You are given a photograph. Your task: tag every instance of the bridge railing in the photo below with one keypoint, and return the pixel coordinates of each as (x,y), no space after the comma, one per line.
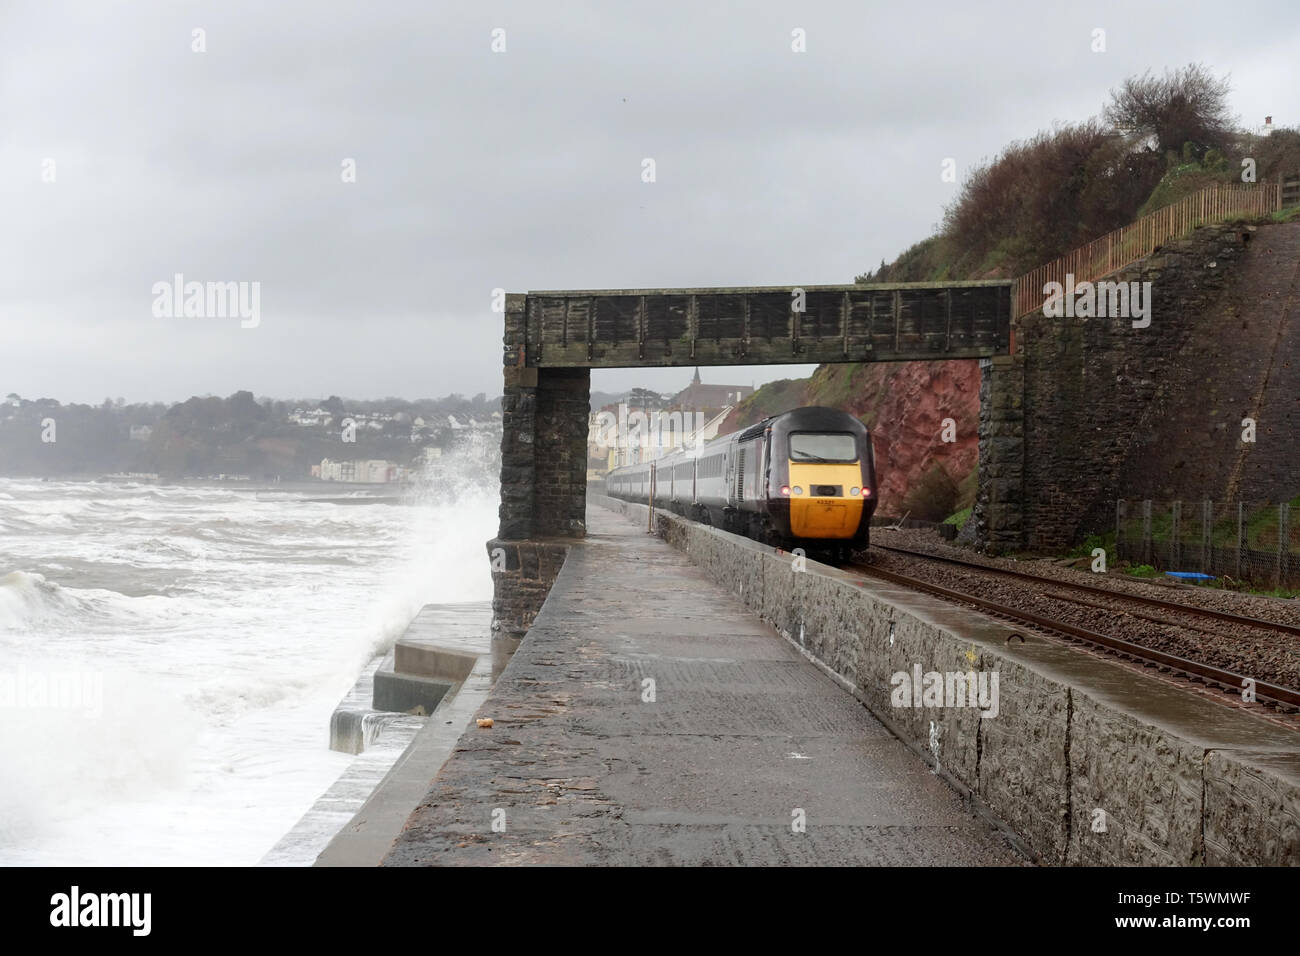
(1115,250)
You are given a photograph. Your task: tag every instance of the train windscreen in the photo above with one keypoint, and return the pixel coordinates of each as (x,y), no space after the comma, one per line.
(822,447)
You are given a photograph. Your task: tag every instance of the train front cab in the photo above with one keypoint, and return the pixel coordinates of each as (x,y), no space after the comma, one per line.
(823,477)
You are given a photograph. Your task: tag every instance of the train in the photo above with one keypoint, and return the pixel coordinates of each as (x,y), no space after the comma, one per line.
(805,478)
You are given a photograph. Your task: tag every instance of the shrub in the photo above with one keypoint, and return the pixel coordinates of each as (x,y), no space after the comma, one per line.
(933,498)
(1184,110)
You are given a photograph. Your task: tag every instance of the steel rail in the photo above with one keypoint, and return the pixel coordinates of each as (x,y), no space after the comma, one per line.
(1108,592)
(1282,698)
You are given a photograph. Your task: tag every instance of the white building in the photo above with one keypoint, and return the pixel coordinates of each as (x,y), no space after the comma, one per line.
(366,471)
(317,418)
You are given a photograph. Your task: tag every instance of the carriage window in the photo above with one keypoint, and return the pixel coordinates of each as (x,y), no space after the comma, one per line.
(823,447)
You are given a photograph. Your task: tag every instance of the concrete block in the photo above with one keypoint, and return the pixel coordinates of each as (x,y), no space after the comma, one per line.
(1252,808)
(1145,780)
(407,694)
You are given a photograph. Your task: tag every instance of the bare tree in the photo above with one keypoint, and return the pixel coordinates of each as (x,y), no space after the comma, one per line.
(1188,105)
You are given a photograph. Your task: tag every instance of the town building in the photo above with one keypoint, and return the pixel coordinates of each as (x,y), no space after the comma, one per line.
(376,471)
(709,399)
(647,426)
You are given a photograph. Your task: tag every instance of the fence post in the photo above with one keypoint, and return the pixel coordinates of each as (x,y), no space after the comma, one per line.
(1121,512)
(1283,542)
(1241,533)
(1146,531)
(1207,545)
(650,517)
(1176,538)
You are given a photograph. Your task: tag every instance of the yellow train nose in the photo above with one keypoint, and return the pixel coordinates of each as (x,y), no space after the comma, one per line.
(826,509)
(825,517)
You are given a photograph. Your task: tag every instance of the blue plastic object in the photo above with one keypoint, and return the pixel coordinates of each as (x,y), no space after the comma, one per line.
(1194,575)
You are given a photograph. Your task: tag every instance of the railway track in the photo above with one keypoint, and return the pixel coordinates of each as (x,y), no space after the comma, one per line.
(1283,699)
(1109,593)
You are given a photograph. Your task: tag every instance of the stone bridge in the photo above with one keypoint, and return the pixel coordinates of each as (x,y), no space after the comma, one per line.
(553,339)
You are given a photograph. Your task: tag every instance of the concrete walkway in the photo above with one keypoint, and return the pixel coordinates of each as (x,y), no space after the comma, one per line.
(742,740)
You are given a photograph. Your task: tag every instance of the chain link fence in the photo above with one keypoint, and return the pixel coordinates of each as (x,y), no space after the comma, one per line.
(1258,542)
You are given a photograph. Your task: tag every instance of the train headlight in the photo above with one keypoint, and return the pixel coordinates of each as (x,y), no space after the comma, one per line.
(798,490)
(785,490)
(866,492)
(854,491)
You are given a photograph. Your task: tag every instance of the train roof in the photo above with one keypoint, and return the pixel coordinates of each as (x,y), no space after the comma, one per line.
(807,418)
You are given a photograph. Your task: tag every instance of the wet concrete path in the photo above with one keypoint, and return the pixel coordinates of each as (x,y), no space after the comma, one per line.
(648,718)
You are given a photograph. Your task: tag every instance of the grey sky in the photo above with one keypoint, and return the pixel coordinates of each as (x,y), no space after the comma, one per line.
(519,170)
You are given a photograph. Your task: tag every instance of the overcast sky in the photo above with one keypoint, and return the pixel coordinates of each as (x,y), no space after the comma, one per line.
(519,169)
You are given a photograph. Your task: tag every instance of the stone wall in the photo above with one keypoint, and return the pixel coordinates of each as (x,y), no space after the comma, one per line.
(1237,362)
(522,575)
(1178,780)
(1090,410)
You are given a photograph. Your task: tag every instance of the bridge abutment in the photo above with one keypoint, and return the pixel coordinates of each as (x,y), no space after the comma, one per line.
(543,480)
(999,502)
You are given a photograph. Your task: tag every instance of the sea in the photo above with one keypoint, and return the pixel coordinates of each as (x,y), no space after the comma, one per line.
(170,655)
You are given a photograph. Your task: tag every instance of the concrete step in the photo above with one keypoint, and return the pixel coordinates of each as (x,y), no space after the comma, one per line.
(418,673)
(400,693)
(421,659)
(356,726)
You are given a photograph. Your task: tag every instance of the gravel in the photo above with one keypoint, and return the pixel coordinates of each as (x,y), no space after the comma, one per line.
(1252,651)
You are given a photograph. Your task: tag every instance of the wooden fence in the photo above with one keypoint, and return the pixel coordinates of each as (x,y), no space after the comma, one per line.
(1291,190)
(1115,250)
